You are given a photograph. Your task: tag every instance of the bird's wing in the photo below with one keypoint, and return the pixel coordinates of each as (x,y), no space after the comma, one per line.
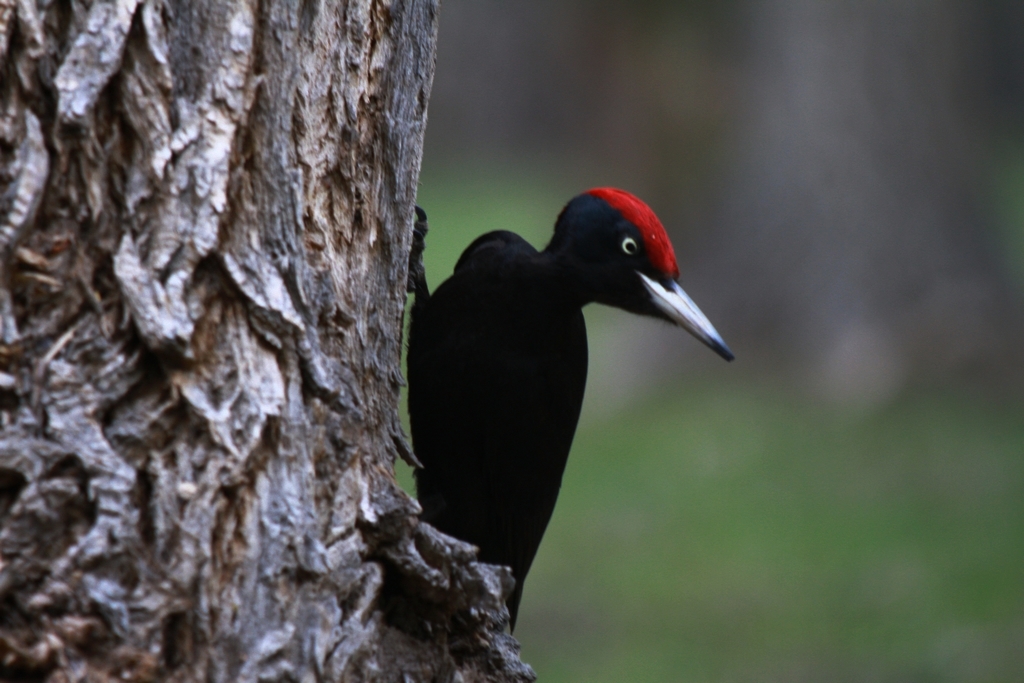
(494,436)
(496,380)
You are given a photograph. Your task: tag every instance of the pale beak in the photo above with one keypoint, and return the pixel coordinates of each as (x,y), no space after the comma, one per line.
(679,307)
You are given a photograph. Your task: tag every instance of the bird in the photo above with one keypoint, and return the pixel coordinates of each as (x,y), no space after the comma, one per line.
(497,365)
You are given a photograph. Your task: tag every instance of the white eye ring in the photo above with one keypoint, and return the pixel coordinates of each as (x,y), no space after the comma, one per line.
(629,246)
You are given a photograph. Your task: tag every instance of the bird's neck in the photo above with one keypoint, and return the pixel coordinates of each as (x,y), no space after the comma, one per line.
(560,282)
(580,284)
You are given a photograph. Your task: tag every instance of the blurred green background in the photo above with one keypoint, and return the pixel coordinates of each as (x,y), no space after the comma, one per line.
(845,502)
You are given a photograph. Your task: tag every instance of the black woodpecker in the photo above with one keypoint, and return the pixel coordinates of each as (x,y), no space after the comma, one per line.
(497,365)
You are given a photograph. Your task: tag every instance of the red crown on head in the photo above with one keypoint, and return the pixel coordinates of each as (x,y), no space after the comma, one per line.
(656,243)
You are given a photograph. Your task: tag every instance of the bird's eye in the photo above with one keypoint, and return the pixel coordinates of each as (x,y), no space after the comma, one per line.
(629,246)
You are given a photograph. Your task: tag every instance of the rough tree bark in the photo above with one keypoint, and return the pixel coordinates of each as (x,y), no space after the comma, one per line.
(204,233)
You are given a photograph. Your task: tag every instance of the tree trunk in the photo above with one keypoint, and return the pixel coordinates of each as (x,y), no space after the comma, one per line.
(855,237)
(204,232)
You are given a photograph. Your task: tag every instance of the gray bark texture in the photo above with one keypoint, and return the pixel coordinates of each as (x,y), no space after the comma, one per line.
(205,223)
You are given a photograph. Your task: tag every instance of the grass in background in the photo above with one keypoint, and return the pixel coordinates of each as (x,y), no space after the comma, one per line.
(735,532)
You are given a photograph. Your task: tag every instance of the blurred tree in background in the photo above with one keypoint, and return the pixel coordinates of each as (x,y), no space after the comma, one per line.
(826,166)
(640,91)
(856,213)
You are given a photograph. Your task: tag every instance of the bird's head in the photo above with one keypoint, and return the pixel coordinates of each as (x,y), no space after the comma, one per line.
(618,251)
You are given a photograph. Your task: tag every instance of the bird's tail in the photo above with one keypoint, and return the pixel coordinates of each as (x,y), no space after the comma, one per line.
(513,605)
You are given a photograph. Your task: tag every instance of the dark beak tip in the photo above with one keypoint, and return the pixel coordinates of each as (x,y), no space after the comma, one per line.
(723,351)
